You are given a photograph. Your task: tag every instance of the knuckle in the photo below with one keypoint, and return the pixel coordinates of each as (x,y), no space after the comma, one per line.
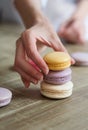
(27,32)
(24,33)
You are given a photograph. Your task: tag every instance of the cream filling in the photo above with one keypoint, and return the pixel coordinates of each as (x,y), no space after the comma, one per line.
(55,91)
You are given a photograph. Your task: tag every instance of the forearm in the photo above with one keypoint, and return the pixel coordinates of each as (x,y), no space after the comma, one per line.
(30,11)
(82,9)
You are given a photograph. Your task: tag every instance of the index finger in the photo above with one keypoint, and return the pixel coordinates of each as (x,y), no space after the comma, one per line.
(29,41)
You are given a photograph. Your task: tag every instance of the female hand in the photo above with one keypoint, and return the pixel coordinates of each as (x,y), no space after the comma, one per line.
(73,31)
(28,47)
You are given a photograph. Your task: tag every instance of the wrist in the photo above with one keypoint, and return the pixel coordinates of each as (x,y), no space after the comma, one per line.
(38,19)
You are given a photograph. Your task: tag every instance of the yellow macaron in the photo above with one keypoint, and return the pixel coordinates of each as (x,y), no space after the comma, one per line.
(57,60)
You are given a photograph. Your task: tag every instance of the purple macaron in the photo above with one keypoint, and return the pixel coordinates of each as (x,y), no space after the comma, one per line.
(5,96)
(58,77)
(81,58)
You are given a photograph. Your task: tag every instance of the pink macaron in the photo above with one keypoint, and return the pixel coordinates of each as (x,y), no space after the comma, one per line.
(58,77)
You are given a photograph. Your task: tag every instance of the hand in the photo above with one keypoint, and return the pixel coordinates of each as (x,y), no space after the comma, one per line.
(27,50)
(73,31)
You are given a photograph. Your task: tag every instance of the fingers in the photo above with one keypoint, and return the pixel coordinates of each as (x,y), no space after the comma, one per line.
(28,62)
(66,31)
(45,35)
(27,71)
(73,32)
(29,41)
(57,45)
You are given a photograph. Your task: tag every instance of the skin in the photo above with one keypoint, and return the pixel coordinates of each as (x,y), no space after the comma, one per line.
(73,30)
(38,34)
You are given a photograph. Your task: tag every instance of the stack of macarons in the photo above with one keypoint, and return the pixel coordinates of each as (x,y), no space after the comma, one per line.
(57,83)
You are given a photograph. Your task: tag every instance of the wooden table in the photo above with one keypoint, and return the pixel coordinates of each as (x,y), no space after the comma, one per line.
(29,110)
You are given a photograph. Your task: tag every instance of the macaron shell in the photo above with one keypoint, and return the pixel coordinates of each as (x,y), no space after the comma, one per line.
(59,81)
(81,58)
(57,87)
(59,66)
(56,91)
(57,95)
(5,96)
(58,77)
(57,60)
(5,102)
